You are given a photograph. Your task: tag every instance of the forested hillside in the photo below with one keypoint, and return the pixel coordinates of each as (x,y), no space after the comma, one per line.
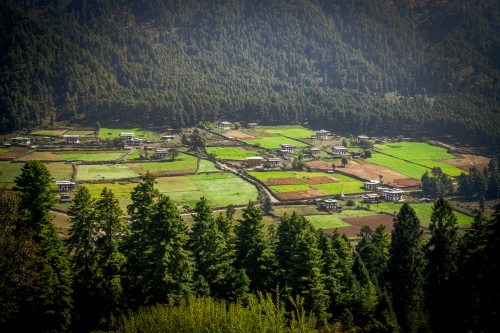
(417,68)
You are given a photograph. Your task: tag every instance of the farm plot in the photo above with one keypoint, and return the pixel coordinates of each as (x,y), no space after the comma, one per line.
(423,211)
(112,133)
(273,142)
(302,185)
(88,156)
(294,132)
(82,134)
(13,153)
(9,171)
(466,161)
(60,170)
(238,135)
(132,156)
(373,221)
(336,220)
(421,153)
(53,132)
(104,172)
(231,153)
(390,177)
(206,166)
(184,164)
(301,210)
(406,168)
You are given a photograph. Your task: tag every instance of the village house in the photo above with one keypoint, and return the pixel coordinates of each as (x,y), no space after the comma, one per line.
(20,141)
(393,194)
(72,138)
(339,150)
(314,151)
(254,161)
(136,141)
(127,136)
(65,198)
(371,198)
(322,134)
(371,184)
(161,153)
(65,185)
(251,125)
(168,137)
(362,138)
(225,125)
(287,148)
(330,204)
(274,161)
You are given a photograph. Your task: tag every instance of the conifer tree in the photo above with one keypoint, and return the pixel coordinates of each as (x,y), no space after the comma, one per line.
(405,270)
(441,269)
(253,251)
(82,247)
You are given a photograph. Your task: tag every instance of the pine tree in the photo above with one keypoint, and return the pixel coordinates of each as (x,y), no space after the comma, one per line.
(82,247)
(168,268)
(253,251)
(111,261)
(441,269)
(405,270)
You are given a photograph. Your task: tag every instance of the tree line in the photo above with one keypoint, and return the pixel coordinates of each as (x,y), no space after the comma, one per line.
(404,281)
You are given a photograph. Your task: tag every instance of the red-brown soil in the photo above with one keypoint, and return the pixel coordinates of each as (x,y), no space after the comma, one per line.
(465,162)
(13,153)
(238,135)
(292,181)
(298,195)
(357,223)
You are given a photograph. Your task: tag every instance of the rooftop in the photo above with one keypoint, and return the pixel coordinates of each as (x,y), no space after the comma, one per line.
(255,158)
(339,147)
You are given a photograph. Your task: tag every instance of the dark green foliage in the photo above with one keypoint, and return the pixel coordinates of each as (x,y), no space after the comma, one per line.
(405,270)
(253,250)
(436,184)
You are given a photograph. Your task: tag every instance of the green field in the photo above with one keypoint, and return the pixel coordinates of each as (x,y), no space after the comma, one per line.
(60,170)
(421,153)
(231,153)
(104,172)
(423,211)
(184,163)
(111,133)
(346,184)
(134,155)
(3,150)
(335,220)
(406,168)
(294,132)
(206,166)
(273,142)
(301,210)
(9,171)
(92,156)
(54,132)
(80,133)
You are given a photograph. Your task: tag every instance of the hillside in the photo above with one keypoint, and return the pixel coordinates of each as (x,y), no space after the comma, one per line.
(418,68)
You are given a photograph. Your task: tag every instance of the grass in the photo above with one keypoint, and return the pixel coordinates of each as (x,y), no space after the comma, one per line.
(134,155)
(291,188)
(273,142)
(111,133)
(81,133)
(421,153)
(100,172)
(265,175)
(406,168)
(294,132)
(9,171)
(54,132)
(206,166)
(301,210)
(185,163)
(60,170)
(335,220)
(231,153)
(423,211)
(94,156)
(3,150)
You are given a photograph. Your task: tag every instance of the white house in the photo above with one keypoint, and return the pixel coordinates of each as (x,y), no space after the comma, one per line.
(72,138)
(339,150)
(127,136)
(330,204)
(136,141)
(372,184)
(393,194)
(161,153)
(225,125)
(362,138)
(371,198)
(65,185)
(322,134)
(287,148)
(274,161)
(20,141)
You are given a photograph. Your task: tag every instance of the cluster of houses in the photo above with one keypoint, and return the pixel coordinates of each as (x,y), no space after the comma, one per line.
(381,192)
(225,125)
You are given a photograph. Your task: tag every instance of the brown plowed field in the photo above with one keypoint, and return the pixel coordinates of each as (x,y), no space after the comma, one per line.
(299,195)
(238,135)
(465,162)
(357,223)
(369,171)
(13,153)
(292,181)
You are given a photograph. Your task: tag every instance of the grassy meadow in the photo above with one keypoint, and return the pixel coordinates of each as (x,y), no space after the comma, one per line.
(111,133)
(9,171)
(183,164)
(133,155)
(206,166)
(88,156)
(335,220)
(104,172)
(231,153)
(294,132)
(53,132)
(60,170)
(273,142)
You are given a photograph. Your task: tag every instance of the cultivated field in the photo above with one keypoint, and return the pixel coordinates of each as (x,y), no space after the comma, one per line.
(54,132)
(132,156)
(238,135)
(231,153)
(12,153)
(80,133)
(373,221)
(406,168)
(60,170)
(301,210)
(273,142)
(111,133)
(206,166)
(88,156)
(303,185)
(294,132)
(465,162)
(104,172)
(336,220)
(9,171)
(183,164)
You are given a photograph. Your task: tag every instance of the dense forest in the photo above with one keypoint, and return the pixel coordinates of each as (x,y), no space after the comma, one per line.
(231,275)
(417,68)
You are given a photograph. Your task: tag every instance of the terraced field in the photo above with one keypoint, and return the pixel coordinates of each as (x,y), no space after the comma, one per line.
(231,153)
(184,164)
(104,172)
(88,156)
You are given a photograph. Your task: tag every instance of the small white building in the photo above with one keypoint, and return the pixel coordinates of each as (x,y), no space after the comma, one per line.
(252,125)
(287,148)
(127,136)
(339,150)
(161,153)
(168,137)
(254,161)
(330,204)
(274,161)
(362,138)
(72,138)
(322,134)
(225,125)
(371,184)
(371,198)
(393,194)
(314,151)
(65,185)
(20,141)
(136,141)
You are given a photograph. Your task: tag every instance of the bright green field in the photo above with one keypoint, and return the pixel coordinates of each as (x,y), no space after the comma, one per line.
(335,220)
(231,153)
(9,171)
(272,142)
(294,132)
(421,153)
(111,133)
(47,132)
(60,170)
(95,156)
(134,155)
(183,162)
(207,166)
(99,172)
(265,175)
(406,168)
(423,212)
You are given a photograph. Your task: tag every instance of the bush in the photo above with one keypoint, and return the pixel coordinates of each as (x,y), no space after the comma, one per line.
(350,203)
